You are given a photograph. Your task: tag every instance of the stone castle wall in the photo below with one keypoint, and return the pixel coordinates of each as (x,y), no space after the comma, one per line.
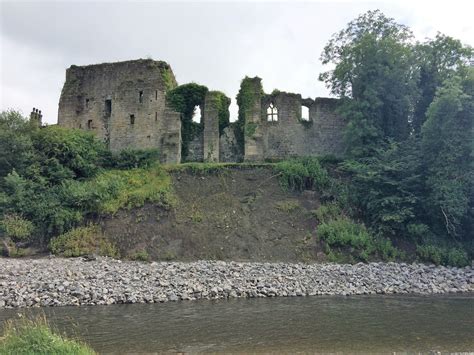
(284,133)
(125,105)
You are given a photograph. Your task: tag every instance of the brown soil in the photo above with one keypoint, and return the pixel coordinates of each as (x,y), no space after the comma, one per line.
(238,214)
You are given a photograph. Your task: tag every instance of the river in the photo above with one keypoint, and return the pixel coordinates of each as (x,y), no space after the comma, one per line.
(377,324)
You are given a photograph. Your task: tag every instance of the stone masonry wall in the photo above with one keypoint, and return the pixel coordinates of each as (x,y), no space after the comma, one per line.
(123,103)
(286,134)
(210,118)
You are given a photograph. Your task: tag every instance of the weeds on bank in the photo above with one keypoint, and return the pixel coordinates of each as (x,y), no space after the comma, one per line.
(35,336)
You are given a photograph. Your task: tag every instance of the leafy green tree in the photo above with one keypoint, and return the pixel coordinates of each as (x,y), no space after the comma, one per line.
(373,72)
(437,59)
(16,147)
(447,144)
(66,153)
(388,187)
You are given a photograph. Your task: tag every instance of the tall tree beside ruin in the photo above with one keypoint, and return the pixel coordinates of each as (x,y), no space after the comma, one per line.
(447,147)
(437,60)
(373,70)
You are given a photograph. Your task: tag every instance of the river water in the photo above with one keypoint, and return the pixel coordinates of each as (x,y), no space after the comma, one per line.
(376,324)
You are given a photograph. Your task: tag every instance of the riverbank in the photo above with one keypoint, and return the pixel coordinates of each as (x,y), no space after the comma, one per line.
(61,282)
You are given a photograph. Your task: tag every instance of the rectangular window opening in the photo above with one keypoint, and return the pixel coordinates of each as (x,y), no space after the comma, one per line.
(156,94)
(132,119)
(89,124)
(87,103)
(108,107)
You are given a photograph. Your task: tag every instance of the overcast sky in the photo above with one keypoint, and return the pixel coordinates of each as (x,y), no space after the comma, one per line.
(214,44)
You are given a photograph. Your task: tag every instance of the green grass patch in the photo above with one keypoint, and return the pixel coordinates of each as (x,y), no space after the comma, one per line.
(35,336)
(211,168)
(133,188)
(83,241)
(302,174)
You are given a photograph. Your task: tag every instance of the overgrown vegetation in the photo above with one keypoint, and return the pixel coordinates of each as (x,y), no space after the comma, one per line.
(81,241)
(302,173)
(410,113)
(184,99)
(35,336)
(62,177)
(248,93)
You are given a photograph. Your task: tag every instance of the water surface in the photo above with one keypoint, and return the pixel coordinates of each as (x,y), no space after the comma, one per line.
(377,324)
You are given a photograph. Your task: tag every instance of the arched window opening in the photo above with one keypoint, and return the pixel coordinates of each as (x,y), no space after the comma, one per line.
(197,114)
(272,113)
(304,113)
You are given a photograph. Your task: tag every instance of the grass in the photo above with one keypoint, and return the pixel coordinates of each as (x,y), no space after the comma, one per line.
(302,174)
(35,336)
(211,168)
(135,187)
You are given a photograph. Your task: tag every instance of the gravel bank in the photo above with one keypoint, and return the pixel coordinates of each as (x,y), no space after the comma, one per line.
(61,282)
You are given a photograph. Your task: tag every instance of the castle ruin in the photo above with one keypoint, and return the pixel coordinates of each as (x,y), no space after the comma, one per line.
(126,104)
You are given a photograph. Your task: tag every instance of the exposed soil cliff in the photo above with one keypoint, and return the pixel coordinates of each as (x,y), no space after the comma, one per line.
(238,214)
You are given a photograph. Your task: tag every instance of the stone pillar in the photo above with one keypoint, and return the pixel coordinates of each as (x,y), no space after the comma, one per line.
(253,139)
(171,139)
(210,117)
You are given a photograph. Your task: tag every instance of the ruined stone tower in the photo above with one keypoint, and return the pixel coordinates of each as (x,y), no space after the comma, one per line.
(123,103)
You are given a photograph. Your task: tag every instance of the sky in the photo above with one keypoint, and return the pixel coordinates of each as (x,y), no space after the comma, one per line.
(211,43)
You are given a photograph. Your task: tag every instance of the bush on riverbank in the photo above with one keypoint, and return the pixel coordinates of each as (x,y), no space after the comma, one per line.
(442,255)
(25,336)
(83,241)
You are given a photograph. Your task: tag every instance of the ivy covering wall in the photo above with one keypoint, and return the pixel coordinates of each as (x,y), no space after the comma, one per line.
(184,99)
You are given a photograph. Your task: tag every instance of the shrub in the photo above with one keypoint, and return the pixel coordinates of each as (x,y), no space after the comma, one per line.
(135,158)
(35,336)
(303,173)
(430,253)
(345,233)
(16,227)
(83,241)
(456,257)
(442,255)
(140,255)
(328,212)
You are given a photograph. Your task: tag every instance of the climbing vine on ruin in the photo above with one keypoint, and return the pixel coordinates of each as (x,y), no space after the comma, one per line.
(184,99)
(223,103)
(245,100)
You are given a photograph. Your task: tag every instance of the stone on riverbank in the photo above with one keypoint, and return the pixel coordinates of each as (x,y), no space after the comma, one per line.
(62,282)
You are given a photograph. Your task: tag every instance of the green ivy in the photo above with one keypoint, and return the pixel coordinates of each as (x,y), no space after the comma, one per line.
(184,99)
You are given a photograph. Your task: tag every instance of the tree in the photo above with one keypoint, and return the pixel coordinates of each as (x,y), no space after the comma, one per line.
(16,147)
(437,59)
(447,144)
(374,76)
